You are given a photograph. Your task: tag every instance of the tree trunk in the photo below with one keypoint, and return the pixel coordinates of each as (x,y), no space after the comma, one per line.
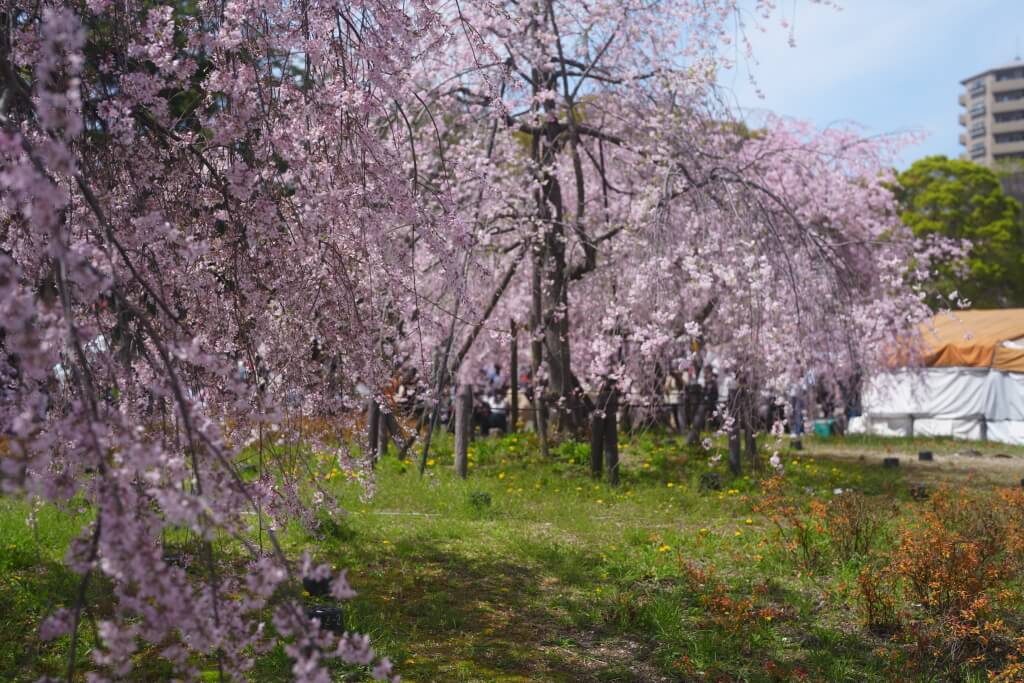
(735,465)
(463,428)
(373,427)
(513,377)
(537,355)
(611,439)
(382,434)
(597,436)
(682,400)
(392,429)
(747,410)
(750,431)
(699,418)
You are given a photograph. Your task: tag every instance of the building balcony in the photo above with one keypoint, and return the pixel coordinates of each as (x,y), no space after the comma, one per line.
(1010,105)
(1008,147)
(963,138)
(962,99)
(1008,84)
(962,119)
(1008,126)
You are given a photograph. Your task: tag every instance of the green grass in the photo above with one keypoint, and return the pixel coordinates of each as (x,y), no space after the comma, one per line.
(531,571)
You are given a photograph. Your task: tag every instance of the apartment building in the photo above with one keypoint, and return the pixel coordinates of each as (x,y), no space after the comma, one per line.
(993,115)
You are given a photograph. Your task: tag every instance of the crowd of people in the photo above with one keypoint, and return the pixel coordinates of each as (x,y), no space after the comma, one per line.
(694,400)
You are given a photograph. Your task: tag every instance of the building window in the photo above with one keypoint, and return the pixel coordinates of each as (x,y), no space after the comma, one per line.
(977,129)
(1010,74)
(1009,137)
(1010,95)
(977,110)
(977,88)
(1008,116)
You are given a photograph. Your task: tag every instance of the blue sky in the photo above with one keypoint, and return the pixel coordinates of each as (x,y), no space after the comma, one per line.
(887,65)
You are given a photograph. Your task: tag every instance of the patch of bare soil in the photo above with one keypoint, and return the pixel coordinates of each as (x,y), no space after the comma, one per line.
(596,658)
(967,465)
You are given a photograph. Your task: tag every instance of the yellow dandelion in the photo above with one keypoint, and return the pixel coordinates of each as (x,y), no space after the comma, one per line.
(664,548)
(670,484)
(501,475)
(738,533)
(749,520)
(430,463)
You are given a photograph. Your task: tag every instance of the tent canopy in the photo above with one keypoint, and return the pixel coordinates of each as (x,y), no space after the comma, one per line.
(975,339)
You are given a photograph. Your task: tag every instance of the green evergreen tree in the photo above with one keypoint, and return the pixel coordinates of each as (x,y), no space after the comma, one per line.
(963,200)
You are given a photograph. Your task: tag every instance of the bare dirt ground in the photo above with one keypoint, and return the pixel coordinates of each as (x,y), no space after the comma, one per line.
(955,462)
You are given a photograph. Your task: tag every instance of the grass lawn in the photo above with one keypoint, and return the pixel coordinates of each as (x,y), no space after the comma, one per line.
(531,571)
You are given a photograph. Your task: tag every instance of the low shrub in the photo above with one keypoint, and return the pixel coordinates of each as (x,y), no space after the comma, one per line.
(799,526)
(948,588)
(853,522)
(731,614)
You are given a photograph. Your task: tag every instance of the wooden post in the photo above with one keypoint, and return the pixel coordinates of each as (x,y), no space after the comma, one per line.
(463,428)
(513,378)
(373,427)
(611,438)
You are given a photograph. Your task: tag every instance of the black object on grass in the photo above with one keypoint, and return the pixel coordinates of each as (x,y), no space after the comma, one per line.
(331,618)
(318,588)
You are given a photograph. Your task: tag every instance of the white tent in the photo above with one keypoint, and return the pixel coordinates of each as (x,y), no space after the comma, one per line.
(971,385)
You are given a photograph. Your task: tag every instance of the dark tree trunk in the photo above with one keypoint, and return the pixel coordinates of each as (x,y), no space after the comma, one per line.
(373,427)
(597,436)
(682,400)
(463,428)
(611,439)
(513,378)
(382,434)
(748,414)
(392,429)
(735,465)
(699,418)
(537,355)
(750,431)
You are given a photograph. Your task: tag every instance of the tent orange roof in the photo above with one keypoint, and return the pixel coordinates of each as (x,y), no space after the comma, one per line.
(976,338)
